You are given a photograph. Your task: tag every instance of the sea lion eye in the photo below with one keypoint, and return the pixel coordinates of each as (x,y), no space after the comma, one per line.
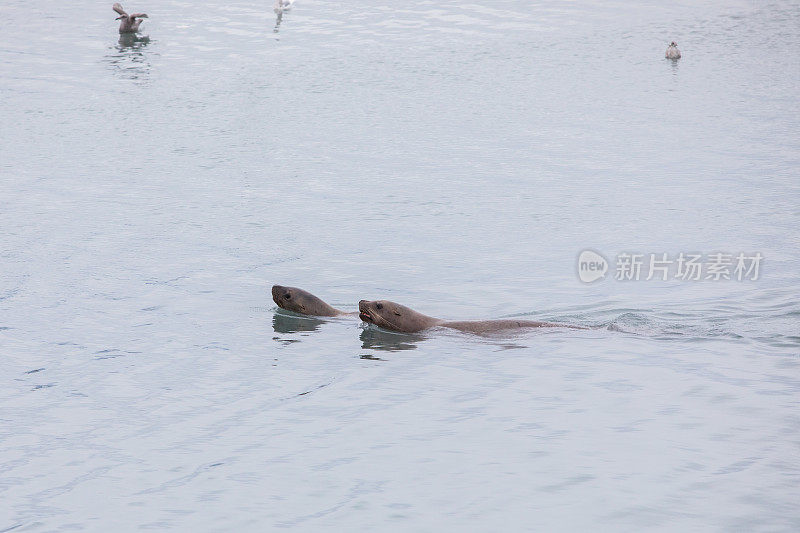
(379,306)
(287,296)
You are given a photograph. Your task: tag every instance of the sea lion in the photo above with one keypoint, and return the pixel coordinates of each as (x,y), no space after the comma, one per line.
(396,317)
(128,23)
(672,51)
(303,302)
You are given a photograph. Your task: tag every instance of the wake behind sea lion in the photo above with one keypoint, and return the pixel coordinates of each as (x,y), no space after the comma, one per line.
(396,317)
(303,302)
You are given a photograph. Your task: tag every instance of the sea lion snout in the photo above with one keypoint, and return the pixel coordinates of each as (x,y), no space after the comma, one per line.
(364,311)
(280,294)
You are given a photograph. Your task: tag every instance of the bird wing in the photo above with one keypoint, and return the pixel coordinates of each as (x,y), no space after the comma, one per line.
(140,15)
(118,8)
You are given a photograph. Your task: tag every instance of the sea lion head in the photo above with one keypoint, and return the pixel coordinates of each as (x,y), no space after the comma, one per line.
(300,301)
(393,316)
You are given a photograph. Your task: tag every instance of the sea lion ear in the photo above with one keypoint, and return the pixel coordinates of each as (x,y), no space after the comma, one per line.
(398,314)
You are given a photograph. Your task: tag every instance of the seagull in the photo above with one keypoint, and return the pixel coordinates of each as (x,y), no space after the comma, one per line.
(283,5)
(672,51)
(128,23)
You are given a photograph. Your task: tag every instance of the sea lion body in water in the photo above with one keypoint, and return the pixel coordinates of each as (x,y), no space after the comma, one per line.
(396,317)
(303,302)
(672,51)
(128,23)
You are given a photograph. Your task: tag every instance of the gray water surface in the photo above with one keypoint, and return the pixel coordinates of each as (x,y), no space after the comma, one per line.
(453,157)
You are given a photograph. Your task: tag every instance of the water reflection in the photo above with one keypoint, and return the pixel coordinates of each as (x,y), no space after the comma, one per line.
(291,323)
(129,60)
(673,63)
(378,339)
(278,20)
(132,40)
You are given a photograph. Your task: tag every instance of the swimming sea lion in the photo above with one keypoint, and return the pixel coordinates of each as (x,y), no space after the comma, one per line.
(672,51)
(303,302)
(396,317)
(128,23)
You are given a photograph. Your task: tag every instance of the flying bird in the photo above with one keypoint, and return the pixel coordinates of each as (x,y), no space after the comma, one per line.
(128,23)
(283,5)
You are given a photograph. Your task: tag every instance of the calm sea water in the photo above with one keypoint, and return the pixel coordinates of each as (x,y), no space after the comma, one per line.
(453,157)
